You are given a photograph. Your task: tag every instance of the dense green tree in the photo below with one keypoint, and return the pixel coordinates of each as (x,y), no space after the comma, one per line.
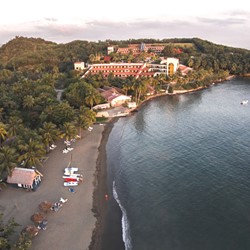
(8,160)
(14,125)
(24,242)
(92,97)
(58,113)
(69,131)
(85,118)
(3,132)
(6,231)
(1,114)
(49,133)
(28,102)
(140,88)
(31,153)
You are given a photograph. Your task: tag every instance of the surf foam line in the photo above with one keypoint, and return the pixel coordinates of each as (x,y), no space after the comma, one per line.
(125,223)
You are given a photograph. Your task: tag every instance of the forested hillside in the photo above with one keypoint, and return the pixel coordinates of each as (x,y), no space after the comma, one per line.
(35,55)
(31,69)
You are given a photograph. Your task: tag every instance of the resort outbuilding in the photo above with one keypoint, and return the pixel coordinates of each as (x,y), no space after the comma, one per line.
(26,178)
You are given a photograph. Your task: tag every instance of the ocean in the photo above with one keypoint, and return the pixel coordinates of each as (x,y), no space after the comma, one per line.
(179,171)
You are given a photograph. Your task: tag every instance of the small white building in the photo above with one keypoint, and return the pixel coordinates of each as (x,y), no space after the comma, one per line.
(101,106)
(132,105)
(113,97)
(117,100)
(110,49)
(102,114)
(79,65)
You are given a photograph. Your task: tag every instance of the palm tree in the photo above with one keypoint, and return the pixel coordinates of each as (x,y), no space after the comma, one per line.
(92,97)
(8,160)
(28,101)
(1,114)
(85,119)
(127,85)
(49,133)
(32,152)
(89,114)
(3,132)
(140,87)
(81,123)
(161,80)
(69,131)
(14,124)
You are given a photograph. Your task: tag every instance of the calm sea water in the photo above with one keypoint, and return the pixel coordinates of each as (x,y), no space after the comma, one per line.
(180,171)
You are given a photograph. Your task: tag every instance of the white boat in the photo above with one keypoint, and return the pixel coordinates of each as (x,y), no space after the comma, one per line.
(71,178)
(244,102)
(71,169)
(70,184)
(72,175)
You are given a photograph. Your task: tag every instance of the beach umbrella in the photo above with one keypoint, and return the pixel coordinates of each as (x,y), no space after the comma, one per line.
(31,231)
(37,217)
(45,206)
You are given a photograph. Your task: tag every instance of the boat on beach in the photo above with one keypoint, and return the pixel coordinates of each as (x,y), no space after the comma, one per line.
(70,184)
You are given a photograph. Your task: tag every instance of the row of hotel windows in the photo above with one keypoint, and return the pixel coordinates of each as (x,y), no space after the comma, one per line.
(114,71)
(136,50)
(131,71)
(117,66)
(117,75)
(128,66)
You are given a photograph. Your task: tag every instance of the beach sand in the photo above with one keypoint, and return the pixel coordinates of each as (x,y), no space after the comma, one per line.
(108,231)
(72,226)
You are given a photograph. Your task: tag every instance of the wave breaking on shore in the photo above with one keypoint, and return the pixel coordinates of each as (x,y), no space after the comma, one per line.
(125,222)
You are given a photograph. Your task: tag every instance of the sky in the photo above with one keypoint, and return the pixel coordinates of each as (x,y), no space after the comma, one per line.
(218,21)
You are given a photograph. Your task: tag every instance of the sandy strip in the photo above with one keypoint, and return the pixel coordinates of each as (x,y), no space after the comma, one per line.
(72,226)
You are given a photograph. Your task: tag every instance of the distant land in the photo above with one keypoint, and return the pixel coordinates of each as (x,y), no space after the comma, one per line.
(22,53)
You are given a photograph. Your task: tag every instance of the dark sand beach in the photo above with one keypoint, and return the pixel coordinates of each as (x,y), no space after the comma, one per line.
(108,231)
(80,223)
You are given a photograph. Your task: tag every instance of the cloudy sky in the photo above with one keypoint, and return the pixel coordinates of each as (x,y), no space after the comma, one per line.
(221,22)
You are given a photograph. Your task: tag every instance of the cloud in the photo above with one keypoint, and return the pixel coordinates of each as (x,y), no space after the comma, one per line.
(50,19)
(224,22)
(243,13)
(216,30)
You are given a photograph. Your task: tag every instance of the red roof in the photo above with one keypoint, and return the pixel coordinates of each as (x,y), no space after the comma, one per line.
(107,58)
(184,69)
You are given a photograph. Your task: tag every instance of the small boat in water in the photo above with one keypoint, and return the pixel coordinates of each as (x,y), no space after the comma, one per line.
(244,102)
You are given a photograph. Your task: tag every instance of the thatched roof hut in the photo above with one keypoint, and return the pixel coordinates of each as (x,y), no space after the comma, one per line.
(31,231)
(45,206)
(24,177)
(38,217)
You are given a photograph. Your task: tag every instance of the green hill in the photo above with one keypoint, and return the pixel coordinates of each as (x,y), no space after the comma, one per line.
(37,55)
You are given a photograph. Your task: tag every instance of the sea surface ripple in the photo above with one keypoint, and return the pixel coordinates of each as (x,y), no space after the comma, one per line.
(181,167)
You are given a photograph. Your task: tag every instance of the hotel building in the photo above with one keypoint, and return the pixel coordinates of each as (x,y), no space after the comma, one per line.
(123,70)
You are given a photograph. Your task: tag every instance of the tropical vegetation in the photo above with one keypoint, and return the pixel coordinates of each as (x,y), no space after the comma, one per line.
(32,69)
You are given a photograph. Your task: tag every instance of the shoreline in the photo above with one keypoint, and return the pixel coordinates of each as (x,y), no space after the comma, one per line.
(100,189)
(178,92)
(107,233)
(84,220)
(104,233)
